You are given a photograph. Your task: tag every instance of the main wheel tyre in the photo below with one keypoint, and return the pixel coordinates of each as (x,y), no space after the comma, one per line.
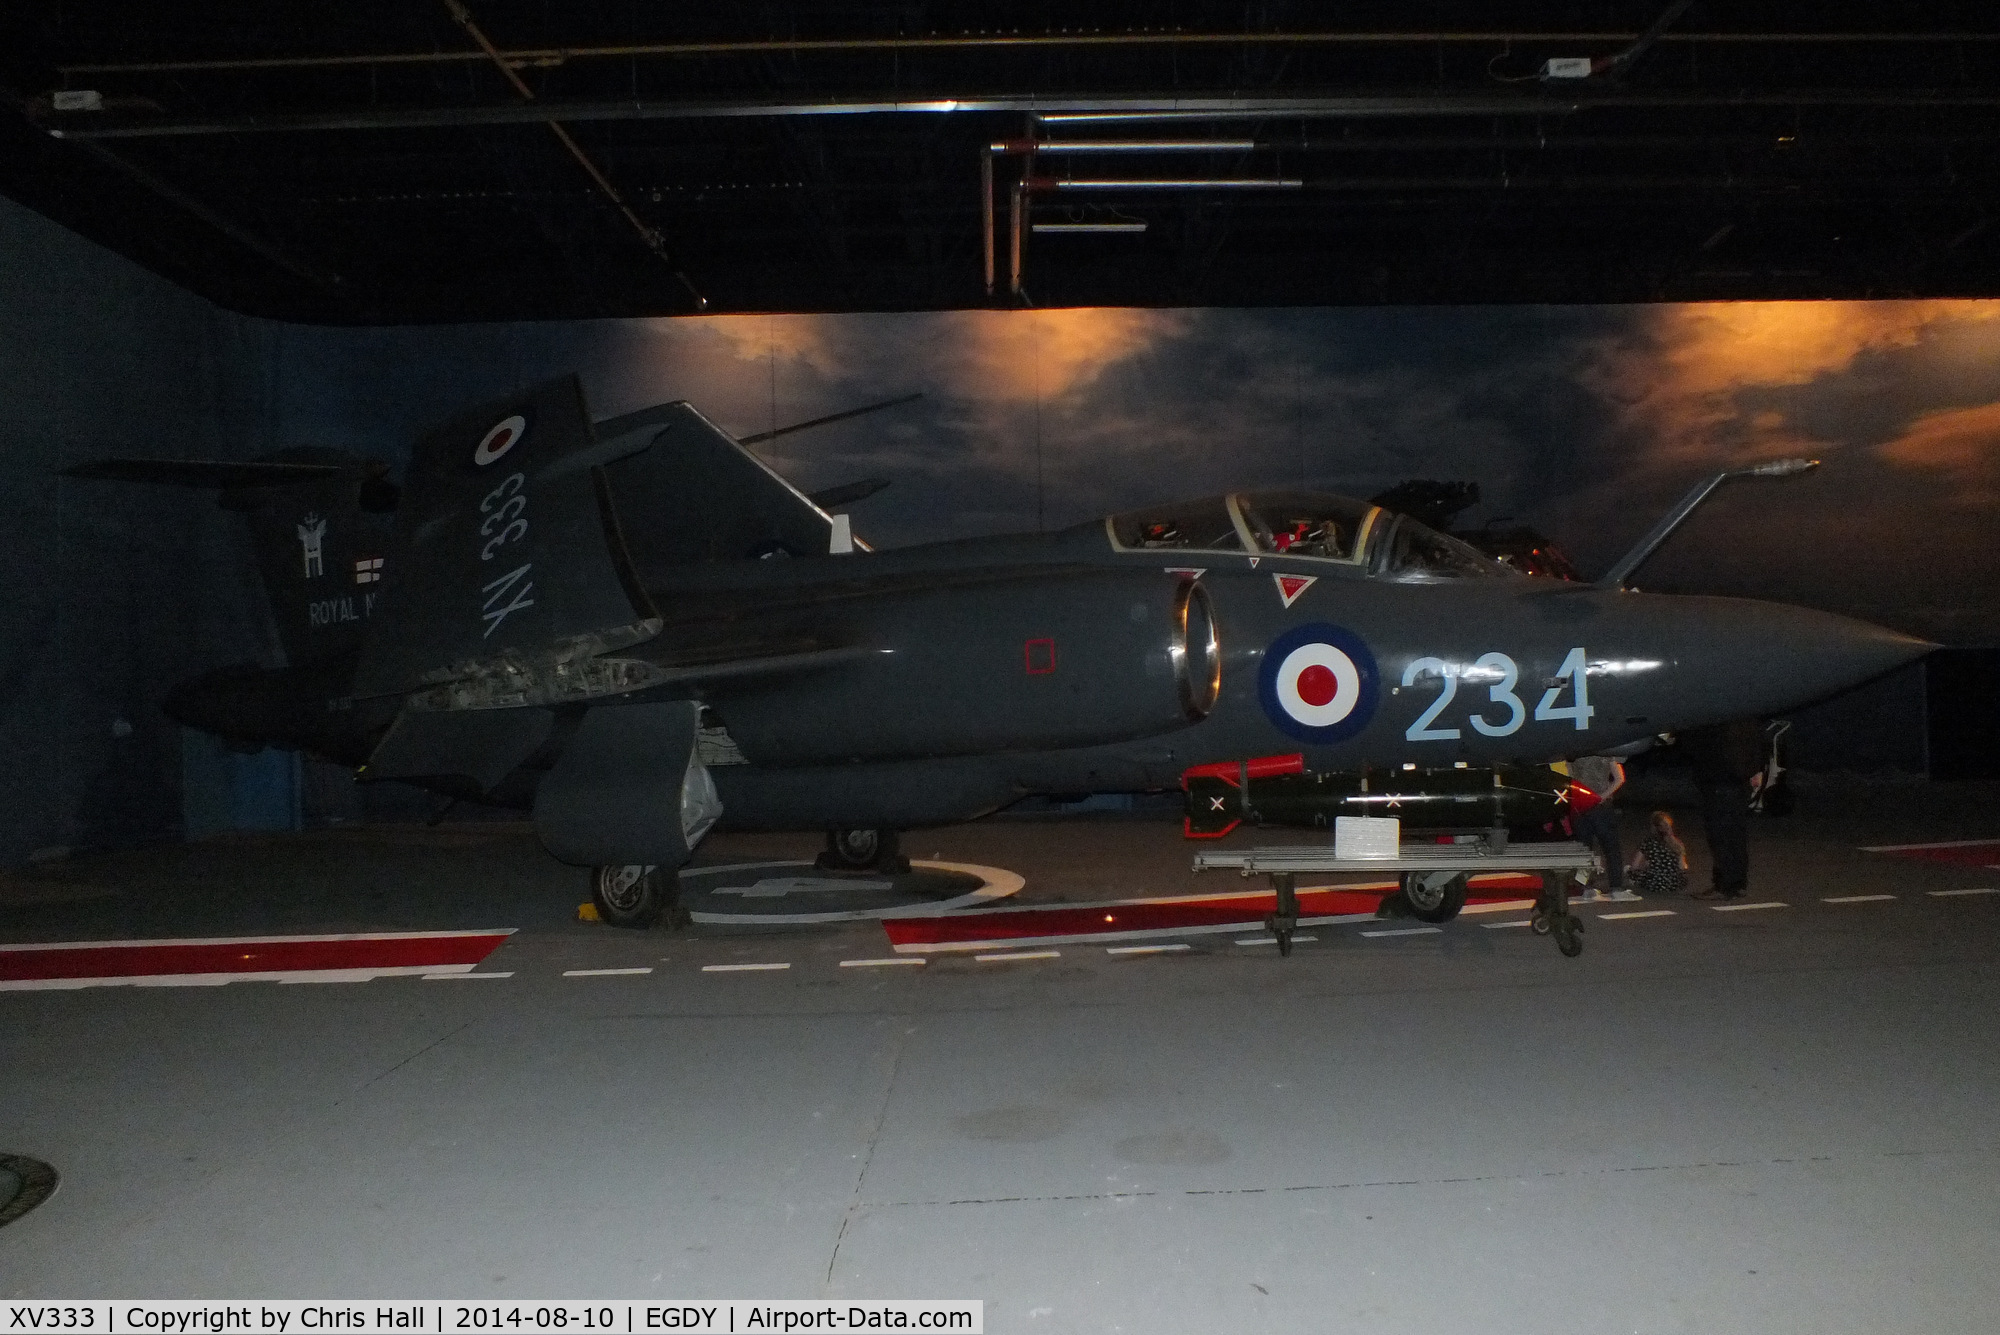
(862,850)
(631,896)
(1434,896)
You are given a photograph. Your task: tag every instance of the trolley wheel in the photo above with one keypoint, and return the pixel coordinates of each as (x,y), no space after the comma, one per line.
(1569,937)
(631,896)
(1434,897)
(1538,923)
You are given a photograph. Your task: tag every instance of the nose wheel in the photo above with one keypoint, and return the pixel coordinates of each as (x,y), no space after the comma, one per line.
(863,850)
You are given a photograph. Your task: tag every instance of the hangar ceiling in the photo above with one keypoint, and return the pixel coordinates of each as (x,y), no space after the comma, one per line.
(387,161)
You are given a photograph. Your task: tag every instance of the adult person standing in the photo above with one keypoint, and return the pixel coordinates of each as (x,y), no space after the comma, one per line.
(1603,776)
(1728,762)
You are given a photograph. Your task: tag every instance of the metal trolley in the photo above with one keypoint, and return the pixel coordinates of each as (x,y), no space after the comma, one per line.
(1433,877)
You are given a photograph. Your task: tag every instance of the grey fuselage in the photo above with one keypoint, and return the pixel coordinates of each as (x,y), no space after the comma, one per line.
(934,684)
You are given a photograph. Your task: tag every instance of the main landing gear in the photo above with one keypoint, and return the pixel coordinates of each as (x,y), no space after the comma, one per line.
(863,850)
(637,896)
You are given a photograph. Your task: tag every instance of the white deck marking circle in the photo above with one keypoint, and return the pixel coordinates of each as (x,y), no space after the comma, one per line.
(1519,922)
(1946,894)
(1855,899)
(1646,913)
(1146,950)
(502,438)
(740,968)
(452,977)
(602,973)
(1272,940)
(1019,955)
(1744,908)
(878,964)
(1346,685)
(1405,931)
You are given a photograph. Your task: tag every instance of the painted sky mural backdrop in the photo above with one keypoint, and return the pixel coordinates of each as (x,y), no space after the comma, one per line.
(1585,421)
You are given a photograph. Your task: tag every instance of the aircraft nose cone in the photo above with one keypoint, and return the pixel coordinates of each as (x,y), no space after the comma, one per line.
(1757,659)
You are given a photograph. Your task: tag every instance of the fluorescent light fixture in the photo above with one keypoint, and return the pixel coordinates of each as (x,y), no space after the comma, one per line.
(1090,227)
(1149,146)
(1158,183)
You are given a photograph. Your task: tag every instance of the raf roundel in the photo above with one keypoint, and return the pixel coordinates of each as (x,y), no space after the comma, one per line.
(503,437)
(1318,683)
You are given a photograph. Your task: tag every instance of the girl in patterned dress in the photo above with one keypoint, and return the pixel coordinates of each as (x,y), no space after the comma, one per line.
(1660,867)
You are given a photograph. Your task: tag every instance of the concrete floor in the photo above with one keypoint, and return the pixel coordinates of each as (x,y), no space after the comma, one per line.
(1776,1120)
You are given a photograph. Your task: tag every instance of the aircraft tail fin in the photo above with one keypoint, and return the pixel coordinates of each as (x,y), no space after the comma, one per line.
(512,579)
(319,520)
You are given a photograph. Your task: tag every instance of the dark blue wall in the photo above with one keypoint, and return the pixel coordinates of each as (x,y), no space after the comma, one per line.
(109,593)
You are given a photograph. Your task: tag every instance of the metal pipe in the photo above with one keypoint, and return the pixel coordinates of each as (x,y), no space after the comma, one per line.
(1014,229)
(557,55)
(1075,109)
(648,236)
(986,214)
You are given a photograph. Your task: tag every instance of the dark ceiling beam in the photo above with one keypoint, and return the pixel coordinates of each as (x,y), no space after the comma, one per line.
(1064,109)
(270,252)
(558,55)
(648,236)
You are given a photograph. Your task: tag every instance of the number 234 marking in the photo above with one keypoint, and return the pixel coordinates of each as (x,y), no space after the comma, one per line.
(1505,674)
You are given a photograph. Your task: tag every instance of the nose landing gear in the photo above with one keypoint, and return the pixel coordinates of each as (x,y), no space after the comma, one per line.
(863,850)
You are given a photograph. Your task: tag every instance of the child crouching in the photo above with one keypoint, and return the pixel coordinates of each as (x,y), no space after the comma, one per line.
(1660,867)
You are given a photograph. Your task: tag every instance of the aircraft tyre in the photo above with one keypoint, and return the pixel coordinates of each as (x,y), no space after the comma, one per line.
(1433,897)
(634,896)
(863,850)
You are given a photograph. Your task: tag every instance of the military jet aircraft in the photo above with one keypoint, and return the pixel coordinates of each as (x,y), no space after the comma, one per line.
(635,630)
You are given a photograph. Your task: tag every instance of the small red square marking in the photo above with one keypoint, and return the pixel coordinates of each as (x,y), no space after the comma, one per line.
(1041,657)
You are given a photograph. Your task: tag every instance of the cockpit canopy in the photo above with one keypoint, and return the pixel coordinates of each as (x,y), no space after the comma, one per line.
(1316,525)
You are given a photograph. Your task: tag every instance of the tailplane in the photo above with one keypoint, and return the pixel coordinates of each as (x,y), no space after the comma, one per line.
(320,520)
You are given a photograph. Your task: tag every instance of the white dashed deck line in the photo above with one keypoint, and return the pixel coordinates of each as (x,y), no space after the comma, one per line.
(1503,906)
(1272,940)
(880,964)
(1745,908)
(1405,931)
(454,977)
(1146,950)
(1000,957)
(1519,922)
(743,968)
(1855,899)
(1943,843)
(603,973)
(1643,913)
(1947,894)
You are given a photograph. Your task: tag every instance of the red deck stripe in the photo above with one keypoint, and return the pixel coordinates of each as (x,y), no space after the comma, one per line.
(1965,855)
(282,954)
(1088,919)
